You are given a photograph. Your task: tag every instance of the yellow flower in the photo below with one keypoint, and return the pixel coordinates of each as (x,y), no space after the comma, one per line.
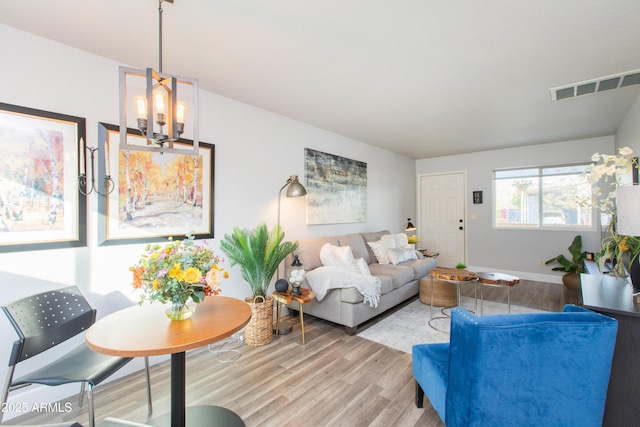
(176,271)
(192,275)
(155,285)
(623,246)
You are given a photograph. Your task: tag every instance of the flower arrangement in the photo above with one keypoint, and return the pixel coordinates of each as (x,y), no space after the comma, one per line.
(608,172)
(178,272)
(413,239)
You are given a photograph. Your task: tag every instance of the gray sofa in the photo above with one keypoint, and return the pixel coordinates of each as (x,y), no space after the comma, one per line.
(345,306)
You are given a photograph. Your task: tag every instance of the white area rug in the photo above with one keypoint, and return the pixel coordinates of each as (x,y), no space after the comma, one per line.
(409,325)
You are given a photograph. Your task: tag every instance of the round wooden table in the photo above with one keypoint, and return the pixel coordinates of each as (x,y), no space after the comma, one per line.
(456,276)
(146,331)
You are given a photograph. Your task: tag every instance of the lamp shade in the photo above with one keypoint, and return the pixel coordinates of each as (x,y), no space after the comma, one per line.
(409,226)
(295,188)
(628,210)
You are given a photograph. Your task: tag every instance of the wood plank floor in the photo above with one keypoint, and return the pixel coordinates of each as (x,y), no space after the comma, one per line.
(333,380)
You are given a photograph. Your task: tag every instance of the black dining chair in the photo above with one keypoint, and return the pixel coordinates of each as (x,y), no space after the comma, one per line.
(47,319)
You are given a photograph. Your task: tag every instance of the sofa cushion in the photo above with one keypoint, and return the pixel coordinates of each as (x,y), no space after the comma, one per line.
(420,267)
(308,251)
(358,246)
(399,274)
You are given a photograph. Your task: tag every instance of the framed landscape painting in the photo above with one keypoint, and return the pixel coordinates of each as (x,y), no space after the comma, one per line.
(155,196)
(41,206)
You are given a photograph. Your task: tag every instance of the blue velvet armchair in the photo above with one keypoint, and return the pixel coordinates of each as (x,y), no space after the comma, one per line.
(537,369)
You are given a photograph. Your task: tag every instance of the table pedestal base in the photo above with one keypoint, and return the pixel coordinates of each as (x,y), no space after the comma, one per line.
(203,415)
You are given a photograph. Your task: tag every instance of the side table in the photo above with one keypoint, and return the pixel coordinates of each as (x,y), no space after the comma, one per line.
(288,298)
(497,279)
(456,276)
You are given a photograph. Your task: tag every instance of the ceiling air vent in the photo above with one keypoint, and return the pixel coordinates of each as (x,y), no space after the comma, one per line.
(590,87)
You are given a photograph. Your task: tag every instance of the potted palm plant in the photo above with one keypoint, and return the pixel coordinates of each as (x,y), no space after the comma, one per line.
(258,253)
(572,267)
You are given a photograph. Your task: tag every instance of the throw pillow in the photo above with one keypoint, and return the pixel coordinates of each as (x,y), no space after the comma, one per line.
(398,255)
(336,256)
(400,240)
(379,251)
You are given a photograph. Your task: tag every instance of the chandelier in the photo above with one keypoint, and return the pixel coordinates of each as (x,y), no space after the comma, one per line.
(158,106)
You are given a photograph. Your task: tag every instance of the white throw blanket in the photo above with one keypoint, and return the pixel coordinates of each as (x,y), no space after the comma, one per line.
(325,278)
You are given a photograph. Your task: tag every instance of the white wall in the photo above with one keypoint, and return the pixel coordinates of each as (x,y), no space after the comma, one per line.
(256,151)
(628,133)
(515,251)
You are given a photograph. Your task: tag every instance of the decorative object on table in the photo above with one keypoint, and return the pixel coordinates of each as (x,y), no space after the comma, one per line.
(461,266)
(573,267)
(180,273)
(157,99)
(337,188)
(258,253)
(143,208)
(413,239)
(296,276)
(281,285)
(43,199)
(609,176)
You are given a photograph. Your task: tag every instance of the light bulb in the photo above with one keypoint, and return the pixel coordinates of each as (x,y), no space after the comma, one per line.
(160,102)
(181,112)
(140,105)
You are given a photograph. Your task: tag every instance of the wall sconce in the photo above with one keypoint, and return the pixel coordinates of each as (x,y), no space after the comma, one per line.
(82,177)
(409,226)
(151,100)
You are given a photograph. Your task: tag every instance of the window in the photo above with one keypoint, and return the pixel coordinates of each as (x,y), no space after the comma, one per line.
(542,197)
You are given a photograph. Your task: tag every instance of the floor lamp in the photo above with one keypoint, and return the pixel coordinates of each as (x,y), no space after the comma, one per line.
(295,189)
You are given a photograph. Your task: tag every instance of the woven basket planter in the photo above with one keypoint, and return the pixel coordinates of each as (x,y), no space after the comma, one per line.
(445,294)
(259,330)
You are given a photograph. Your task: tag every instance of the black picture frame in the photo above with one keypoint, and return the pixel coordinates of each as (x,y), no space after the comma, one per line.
(147,203)
(41,204)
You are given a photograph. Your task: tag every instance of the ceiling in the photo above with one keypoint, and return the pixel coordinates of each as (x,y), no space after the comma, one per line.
(422,78)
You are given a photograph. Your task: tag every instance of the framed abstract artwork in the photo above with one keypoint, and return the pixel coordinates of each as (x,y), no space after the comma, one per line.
(336,188)
(154,195)
(41,206)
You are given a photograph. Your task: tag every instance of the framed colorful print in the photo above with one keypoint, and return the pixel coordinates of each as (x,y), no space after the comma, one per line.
(41,206)
(155,196)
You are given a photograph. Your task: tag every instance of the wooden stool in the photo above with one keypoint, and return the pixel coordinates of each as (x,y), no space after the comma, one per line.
(444,293)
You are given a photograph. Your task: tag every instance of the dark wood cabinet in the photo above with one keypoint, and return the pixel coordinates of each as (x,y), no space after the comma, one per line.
(614,297)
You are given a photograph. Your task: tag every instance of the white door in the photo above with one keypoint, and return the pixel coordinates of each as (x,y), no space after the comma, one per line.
(442,217)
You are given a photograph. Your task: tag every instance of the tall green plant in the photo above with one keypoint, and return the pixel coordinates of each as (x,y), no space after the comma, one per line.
(576,263)
(258,253)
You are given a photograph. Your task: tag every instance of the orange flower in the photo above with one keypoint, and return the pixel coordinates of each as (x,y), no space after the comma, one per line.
(137,276)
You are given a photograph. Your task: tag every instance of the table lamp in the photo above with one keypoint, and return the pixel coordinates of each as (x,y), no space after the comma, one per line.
(628,223)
